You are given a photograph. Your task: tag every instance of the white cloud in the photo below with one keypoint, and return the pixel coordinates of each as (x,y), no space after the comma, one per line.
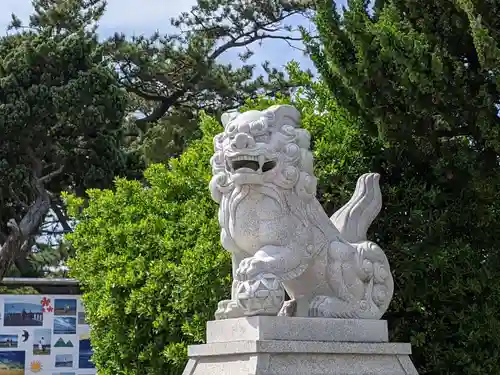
(135,17)
(21,8)
(143,16)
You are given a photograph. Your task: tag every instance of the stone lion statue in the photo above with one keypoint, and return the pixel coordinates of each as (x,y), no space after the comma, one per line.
(273,225)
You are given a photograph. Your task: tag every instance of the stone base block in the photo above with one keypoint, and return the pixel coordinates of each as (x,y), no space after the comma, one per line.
(298,346)
(297,329)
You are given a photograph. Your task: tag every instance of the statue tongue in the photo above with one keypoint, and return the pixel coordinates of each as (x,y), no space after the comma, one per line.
(245,164)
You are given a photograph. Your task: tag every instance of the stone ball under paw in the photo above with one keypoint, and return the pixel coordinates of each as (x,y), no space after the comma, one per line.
(263,295)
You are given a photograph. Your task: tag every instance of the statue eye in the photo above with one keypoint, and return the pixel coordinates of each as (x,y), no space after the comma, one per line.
(258,127)
(291,149)
(288,130)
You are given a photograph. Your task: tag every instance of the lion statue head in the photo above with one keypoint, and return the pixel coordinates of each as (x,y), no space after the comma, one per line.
(263,148)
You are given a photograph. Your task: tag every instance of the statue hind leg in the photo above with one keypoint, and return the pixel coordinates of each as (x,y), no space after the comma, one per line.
(340,303)
(361,283)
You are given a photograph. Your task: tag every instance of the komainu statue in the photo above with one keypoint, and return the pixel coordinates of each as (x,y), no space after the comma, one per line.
(278,234)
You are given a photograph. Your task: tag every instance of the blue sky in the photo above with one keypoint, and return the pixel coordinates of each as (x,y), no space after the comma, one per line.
(136,17)
(17,307)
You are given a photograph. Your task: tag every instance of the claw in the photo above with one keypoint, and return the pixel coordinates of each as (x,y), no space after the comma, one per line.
(228,309)
(220,313)
(249,268)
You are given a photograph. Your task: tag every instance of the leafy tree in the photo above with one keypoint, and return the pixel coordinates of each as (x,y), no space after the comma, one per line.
(146,65)
(424,79)
(149,258)
(174,76)
(61,112)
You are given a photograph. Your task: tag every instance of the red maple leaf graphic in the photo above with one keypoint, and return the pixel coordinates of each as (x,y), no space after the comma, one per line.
(45,301)
(50,309)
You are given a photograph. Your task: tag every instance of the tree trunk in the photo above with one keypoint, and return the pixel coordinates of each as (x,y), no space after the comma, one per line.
(17,243)
(58,207)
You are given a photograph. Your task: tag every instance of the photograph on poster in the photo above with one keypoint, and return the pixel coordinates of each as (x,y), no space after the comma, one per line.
(19,314)
(64,325)
(65,307)
(81,318)
(12,362)
(41,341)
(85,353)
(8,341)
(61,343)
(63,360)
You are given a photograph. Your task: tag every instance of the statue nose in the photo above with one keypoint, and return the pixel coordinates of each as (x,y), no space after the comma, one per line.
(241,141)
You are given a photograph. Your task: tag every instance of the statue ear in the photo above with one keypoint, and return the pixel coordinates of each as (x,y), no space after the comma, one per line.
(284,114)
(227,117)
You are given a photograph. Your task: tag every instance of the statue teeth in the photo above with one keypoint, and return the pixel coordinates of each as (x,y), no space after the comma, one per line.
(246,157)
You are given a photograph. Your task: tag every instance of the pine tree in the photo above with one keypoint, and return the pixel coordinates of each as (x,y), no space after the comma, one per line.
(173,77)
(423,77)
(61,114)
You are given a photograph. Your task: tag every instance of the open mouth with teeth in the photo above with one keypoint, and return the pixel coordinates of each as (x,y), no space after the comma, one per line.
(249,162)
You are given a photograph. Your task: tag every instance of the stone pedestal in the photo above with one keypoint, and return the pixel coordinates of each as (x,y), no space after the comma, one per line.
(270,345)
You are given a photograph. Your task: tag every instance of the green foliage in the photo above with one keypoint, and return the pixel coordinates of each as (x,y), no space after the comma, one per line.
(22,290)
(423,78)
(149,257)
(150,264)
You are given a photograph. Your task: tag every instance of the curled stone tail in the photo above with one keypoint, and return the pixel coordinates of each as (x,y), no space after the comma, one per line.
(355,217)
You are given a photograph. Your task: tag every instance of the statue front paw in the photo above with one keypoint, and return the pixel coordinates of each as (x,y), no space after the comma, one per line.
(221,308)
(249,268)
(228,309)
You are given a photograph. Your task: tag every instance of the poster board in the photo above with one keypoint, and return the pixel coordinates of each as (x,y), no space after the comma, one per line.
(44,335)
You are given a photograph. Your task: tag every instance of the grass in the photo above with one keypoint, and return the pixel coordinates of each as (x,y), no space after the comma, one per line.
(40,352)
